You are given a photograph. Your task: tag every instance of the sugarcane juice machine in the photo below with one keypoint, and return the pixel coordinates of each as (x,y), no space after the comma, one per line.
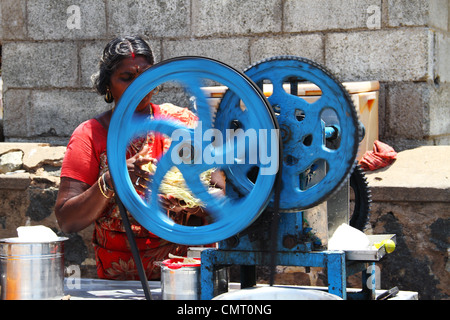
(282,157)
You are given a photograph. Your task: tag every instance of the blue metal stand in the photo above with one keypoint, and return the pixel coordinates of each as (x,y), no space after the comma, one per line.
(334,261)
(295,247)
(306,181)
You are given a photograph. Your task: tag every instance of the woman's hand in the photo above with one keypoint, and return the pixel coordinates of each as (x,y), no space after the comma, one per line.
(138,176)
(183,215)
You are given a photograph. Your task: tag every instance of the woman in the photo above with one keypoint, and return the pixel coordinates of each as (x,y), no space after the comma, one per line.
(86,195)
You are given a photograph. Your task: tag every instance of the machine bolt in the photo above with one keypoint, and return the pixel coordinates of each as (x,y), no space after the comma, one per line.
(285,133)
(289,241)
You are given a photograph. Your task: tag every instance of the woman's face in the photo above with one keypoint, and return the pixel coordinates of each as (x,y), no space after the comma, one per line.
(127,70)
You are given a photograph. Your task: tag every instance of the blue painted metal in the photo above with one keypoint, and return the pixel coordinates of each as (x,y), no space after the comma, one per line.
(338,269)
(337,275)
(333,260)
(331,132)
(307,180)
(302,129)
(230,217)
(292,236)
(240,221)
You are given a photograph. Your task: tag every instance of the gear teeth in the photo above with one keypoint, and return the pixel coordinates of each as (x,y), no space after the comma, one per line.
(359,181)
(356,121)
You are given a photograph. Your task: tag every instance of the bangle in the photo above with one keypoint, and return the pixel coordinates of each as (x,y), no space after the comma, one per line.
(101,189)
(107,188)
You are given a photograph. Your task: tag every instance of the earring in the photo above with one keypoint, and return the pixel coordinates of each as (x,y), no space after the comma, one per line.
(156,91)
(108,96)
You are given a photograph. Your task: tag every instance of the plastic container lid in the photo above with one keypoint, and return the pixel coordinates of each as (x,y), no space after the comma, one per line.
(177,263)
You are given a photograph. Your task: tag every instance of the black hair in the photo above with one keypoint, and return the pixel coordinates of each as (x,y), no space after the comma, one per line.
(115,51)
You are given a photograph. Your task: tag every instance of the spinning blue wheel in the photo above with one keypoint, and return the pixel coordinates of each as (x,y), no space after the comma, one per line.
(320,138)
(230,214)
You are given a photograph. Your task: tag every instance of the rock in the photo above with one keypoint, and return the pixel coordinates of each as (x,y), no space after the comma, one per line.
(36,155)
(11,161)
(14,181)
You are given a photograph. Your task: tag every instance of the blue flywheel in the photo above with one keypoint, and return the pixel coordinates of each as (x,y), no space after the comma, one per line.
(230,214)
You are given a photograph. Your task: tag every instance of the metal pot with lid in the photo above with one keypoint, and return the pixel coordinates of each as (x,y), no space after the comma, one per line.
(31,270)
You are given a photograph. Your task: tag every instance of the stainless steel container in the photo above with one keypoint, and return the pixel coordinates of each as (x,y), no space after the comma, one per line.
(31,270)
(180,282)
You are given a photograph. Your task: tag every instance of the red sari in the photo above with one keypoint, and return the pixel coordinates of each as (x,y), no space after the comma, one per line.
(85,160)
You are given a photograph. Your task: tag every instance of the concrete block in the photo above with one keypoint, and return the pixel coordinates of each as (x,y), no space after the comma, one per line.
(439,17)
(310,46)
(404,54)
(58,112)
(40,64)
(17,103)
(408,12)
(48,115)
(90,55)
(417,114)
(66,19)
(432,13)
(382,109)
(14,181)
(407,111)
(218,17)
(442,67)
(440,111)
(233,51)
(153,18)
(318,15)
(13,19)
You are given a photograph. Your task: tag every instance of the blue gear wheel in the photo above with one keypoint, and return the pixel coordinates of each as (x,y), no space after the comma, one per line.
(230,215)
(304,132)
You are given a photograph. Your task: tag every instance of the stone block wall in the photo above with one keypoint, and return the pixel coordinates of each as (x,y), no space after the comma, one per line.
(50,49)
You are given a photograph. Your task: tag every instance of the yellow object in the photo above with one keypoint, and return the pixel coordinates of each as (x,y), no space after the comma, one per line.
(174,184)
(389,245)
(101,189)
